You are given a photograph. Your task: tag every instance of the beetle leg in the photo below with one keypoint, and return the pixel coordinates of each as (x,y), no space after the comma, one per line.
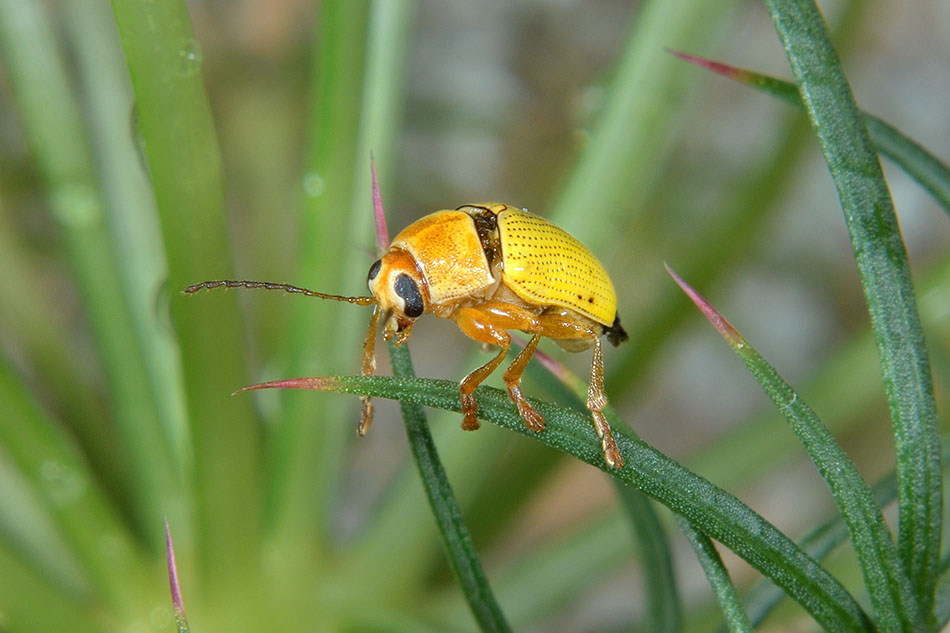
(596,401)
(487,323)
(532,418)
(562,326)
(367,369)
(473,324)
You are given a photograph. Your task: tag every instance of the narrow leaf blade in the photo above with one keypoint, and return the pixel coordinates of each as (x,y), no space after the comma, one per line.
(716,512)
(885,579)
(911,156)
(461,552)
(885,276)
(737,621)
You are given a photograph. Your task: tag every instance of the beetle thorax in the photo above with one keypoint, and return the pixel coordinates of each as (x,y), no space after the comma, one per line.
(446,247)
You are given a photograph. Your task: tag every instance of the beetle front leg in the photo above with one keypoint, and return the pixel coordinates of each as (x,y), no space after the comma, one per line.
(475,326)
(367,369)
(488,324)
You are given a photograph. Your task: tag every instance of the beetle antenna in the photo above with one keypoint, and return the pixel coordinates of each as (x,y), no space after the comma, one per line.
(270,285)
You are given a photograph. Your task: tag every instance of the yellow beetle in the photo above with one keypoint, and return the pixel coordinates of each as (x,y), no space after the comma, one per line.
(490,268)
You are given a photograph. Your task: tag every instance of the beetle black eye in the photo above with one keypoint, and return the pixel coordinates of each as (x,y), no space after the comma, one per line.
(374,270)
(406,288)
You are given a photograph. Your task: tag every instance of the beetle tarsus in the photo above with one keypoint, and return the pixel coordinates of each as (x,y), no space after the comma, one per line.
(532,419)
(470,423)
(366,416)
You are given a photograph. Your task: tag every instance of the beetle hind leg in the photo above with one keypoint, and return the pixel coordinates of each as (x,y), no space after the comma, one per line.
(566,327)
(596,401)
(532,419)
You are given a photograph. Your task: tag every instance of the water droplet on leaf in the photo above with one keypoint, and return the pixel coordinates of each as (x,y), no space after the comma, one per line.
(190,58)
(314,185)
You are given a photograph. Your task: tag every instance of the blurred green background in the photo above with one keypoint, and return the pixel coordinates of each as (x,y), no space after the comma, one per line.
(573,109)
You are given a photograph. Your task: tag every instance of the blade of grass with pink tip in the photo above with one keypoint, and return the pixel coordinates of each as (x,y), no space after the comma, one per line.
(886,279)
(919,163)
(715,512)
(884,576)
(177,603)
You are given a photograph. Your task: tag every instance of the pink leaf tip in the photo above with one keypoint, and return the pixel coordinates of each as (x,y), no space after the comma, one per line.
(173,583)
(382,233)
(725,328)
(314,383)
(726,70)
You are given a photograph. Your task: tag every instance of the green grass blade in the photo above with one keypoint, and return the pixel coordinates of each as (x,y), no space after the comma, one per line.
(818,543)
(705,259)
(716,512)
(184,165)
(462,556)
(53,124)
(69,493)
(920,164)
(737,621)
(885,276)
(894,604)
(304,458)
(614,173)
(31,603)
(907,153)
(34,317)
(942,600)
(130,209)
(663,605)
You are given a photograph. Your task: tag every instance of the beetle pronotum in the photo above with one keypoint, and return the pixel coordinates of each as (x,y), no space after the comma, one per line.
(489,268)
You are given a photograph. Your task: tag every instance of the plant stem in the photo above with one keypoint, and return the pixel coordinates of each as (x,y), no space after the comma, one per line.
(181,149)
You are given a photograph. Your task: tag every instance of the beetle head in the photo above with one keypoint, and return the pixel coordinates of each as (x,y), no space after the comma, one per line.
(397,286)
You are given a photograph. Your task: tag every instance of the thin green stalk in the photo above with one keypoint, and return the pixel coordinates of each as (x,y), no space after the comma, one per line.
(462,556)
(34,318)
(555,573)
(885,276)
(818,544)
(908,154)
(705,259)
(388,40)
(52,121)
(894,604)
(129,209)
(737,621)
(915,159)
(183,161)
(663,606)
(755,198)
(306,454)
(630,141)
(31,603)
(714,511)
(70,495)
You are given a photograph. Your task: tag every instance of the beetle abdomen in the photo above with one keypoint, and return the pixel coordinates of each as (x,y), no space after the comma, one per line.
(545,265)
